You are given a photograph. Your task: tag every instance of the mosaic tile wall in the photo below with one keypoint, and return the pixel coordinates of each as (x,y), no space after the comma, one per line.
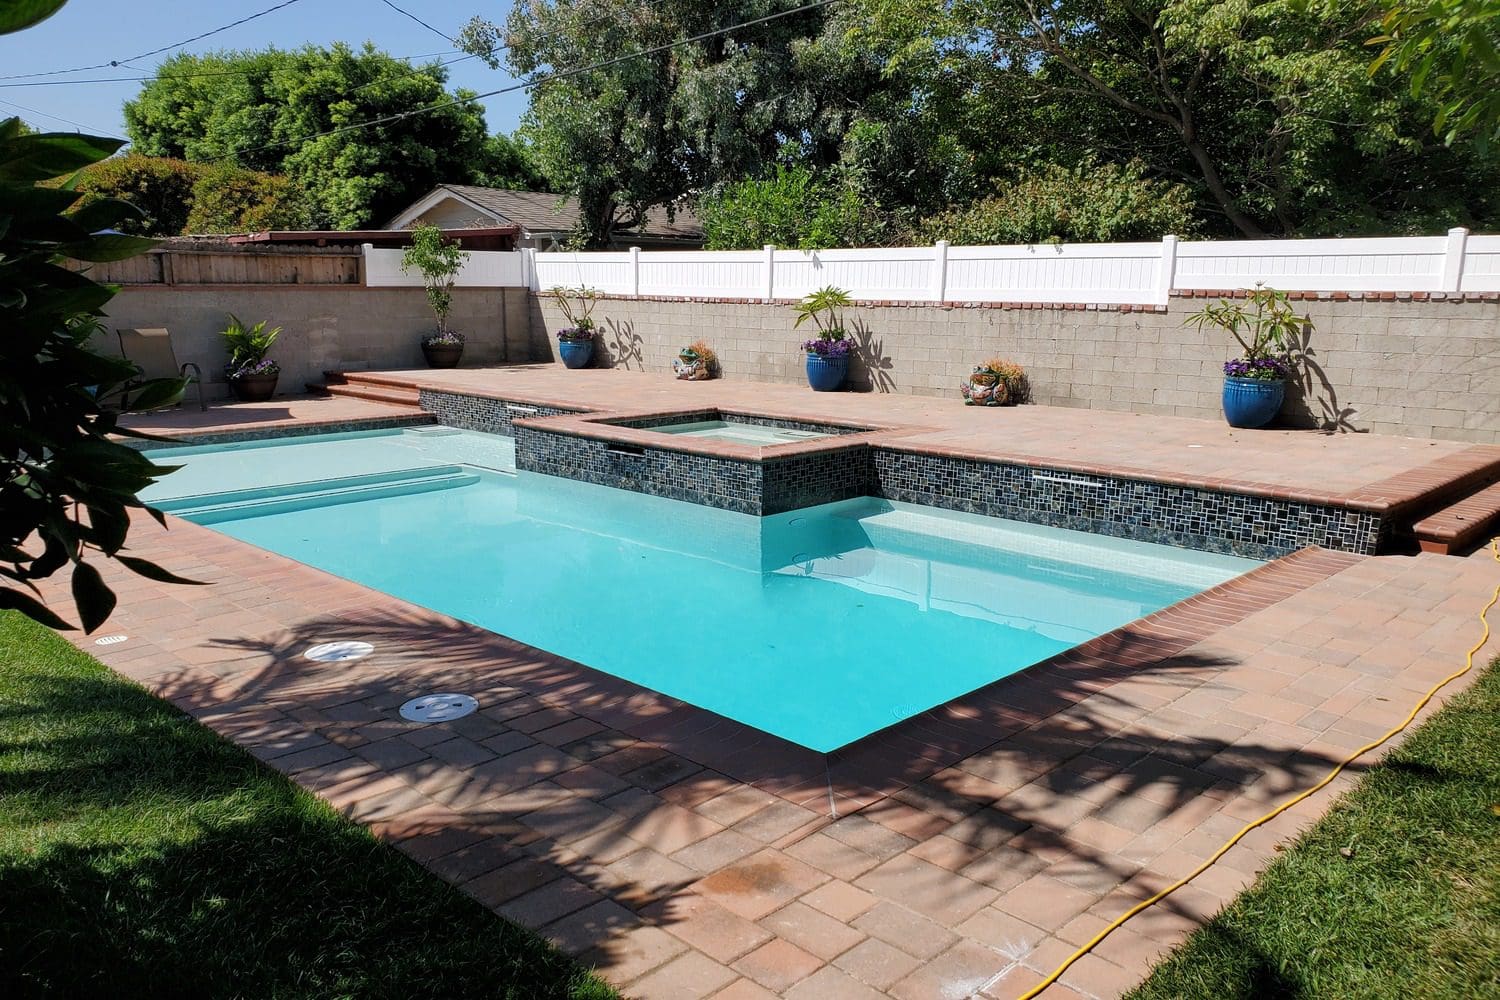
(478,413)
(644,423)
(1231,523)
(186,438)
(758,488)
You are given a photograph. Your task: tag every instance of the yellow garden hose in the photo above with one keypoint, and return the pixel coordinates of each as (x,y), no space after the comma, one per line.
(1163,894)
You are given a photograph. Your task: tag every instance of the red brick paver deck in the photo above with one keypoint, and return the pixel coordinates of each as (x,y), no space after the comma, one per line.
(964,853)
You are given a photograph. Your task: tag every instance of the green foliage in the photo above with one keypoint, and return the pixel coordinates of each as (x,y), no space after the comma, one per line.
(1263,323)
(66,488)
(577,313)
(1448,48)
(248,346)
(791,208)
(822,307)
(160,188)
(230,199)
(509,162)
(1087,204)
(439,260)
(265,111)
(18,14)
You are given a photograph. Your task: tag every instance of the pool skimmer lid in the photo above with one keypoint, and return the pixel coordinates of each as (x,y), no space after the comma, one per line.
(337,652)
(438,707)
(110,640)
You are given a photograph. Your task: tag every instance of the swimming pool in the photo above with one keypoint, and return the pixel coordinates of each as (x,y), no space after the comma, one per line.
(738,431)
(820,626)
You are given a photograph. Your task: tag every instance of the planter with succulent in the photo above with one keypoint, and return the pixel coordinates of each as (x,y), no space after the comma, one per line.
(252,376)
(575,342)
(1266,327)
(828,352)
(439,260)
(696,362)
(996,382)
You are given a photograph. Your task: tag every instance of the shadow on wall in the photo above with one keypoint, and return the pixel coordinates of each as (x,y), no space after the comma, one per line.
(1311,399)
(618,346)
(870,370)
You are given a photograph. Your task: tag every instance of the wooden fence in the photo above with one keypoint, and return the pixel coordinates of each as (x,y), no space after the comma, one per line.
(222,265)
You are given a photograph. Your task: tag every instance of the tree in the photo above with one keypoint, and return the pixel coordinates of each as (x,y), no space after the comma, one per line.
(230,199)
(304,114)
(161,189)
(66,486)
(791,208)
(1449,48)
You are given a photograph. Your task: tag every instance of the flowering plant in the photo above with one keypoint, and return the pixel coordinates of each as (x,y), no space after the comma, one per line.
(1264,369)
(580,332)
(249,369)
(443,338)
(830,347)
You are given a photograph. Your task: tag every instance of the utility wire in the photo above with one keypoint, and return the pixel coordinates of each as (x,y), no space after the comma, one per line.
(217,72)
(114,63)
(46,114)
(407,13)
(536,81)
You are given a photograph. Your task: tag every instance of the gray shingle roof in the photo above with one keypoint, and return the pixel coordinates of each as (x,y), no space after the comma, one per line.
(543,211)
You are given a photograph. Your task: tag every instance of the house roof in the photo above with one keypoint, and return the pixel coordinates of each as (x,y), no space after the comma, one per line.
(545,212)
(489,238)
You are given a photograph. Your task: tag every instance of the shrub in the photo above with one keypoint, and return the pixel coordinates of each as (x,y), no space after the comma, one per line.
(1090,203)
(439,260)
(230,199)
(793,208)
(161,188)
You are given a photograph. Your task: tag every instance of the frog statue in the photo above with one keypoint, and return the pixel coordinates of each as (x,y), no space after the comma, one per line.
(985,387)
(692,366)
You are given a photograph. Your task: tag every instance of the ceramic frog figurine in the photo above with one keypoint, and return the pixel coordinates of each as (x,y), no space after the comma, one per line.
(985,387)
(692,366)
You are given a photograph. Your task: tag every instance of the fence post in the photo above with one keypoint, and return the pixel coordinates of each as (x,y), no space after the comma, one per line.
(1166,270)
(940,271)
(635,272)
(770,252)
(1453,260)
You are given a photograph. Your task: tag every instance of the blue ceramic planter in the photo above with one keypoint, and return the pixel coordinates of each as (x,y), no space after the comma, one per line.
(826,374)
(1252,402)
(576,353)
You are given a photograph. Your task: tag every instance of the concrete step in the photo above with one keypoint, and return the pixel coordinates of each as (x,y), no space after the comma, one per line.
(374,393)
(1452,528)
(366,378)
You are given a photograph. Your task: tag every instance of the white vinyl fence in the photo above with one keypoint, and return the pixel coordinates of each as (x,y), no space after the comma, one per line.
(1099,273)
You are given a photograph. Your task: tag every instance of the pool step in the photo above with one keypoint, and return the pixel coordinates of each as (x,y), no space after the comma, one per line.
(376,394)
(1449,530)
(258,502)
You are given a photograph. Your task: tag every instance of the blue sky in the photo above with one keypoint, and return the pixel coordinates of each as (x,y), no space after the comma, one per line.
(85,32)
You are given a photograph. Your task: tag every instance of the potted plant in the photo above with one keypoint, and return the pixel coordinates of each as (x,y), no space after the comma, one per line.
(996,382)
(828,352)
(439,261)
(575,342)
(252,376)
(696,362)
(1266,326)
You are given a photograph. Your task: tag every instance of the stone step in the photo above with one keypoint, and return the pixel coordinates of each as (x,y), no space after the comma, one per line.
(366,378)
(374,393)
(1449,530)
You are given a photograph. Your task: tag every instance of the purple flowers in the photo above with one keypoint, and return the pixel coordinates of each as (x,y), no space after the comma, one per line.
(572,333)
(839,348)
(1262,369)
(265,366)
(444,338)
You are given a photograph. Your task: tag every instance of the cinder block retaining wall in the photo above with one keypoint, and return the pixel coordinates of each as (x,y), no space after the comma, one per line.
(325,327)
(1419,368)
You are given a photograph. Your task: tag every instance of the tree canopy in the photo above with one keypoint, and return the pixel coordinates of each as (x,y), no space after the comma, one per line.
(306,114)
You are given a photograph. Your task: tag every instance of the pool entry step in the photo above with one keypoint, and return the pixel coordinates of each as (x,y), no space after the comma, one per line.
(232,505)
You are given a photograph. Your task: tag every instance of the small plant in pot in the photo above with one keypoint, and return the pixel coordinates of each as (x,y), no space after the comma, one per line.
(828,352)
(252,376)
(439,261)
(996,382)
(696,362)
(575,342)
(1265,326)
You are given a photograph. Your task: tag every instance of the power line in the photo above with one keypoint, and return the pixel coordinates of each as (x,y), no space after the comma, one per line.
(217,72)
(114,63)
(45,114)
(536,81)
(407,13)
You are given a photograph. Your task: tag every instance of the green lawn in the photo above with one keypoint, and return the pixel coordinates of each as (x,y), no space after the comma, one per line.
(1412,914)
(142,855)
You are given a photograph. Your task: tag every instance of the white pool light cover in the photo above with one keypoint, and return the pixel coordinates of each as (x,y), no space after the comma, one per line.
(442,707)
(337,652)
(110,640)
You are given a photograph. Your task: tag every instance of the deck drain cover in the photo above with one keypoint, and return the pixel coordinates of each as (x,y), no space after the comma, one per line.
(438,707)
(334,652)
(110,640)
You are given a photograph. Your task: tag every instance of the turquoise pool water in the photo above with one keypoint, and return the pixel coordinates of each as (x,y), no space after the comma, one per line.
(820,626)
(738,432)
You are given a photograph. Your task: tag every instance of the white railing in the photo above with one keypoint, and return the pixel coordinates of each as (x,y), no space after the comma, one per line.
(1085,273)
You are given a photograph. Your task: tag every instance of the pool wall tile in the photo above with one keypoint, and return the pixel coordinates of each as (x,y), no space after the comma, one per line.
(480,413)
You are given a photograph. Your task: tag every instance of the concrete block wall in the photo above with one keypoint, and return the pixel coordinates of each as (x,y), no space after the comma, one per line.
(1419,368)
(325,327)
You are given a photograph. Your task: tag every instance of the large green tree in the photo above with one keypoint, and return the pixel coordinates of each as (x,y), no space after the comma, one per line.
(1449,49)
(303,114)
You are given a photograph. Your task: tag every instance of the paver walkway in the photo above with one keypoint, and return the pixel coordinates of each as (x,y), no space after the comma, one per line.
(1012,826)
